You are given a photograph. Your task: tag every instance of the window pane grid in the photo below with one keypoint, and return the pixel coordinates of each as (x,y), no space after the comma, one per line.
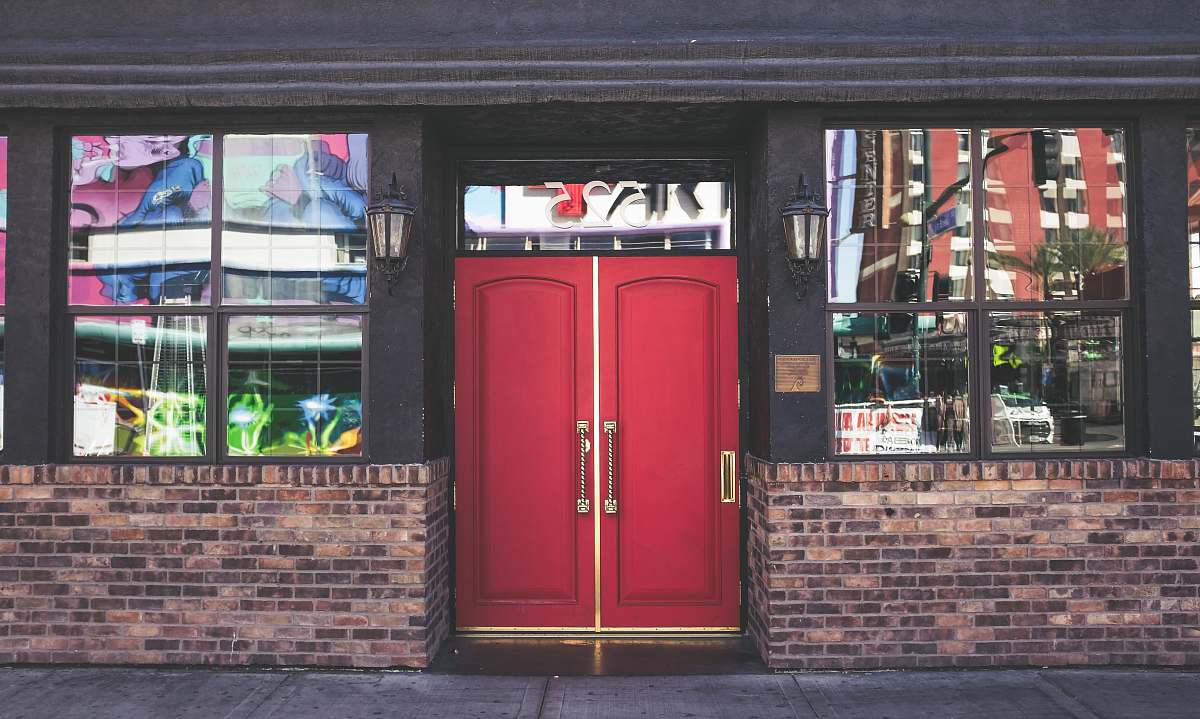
(1052,233)
(1193,229)
(1057,382)
(3,215)
(141,386)
(147,221)
(901,383)
(294,385)
(3,271)
(294,219)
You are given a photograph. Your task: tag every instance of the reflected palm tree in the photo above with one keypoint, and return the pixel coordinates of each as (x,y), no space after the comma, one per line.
(1090,252)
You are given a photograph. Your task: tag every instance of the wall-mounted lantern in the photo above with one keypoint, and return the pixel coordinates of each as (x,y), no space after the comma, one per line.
(389,222)
(804,231)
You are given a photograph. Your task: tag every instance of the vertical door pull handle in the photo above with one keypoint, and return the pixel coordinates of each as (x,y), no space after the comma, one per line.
(729,488)
(583,505)
(610,431)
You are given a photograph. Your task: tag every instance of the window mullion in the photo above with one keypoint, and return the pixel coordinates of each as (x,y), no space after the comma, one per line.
(980,389)
(214,360)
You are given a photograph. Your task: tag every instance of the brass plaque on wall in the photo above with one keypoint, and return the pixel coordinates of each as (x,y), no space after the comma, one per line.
(797,373)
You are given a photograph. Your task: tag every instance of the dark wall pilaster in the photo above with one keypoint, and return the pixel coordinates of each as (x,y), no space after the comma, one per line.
(31,322)
(1162,273)
(793,144)
(396,348)
(441,208)
(753,279)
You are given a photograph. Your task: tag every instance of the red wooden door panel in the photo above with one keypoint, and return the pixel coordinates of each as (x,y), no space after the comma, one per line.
(668,378)
(523,377)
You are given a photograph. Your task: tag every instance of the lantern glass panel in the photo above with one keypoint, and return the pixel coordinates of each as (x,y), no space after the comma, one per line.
(401,227)
(815,235)
(379,233)
(794,231)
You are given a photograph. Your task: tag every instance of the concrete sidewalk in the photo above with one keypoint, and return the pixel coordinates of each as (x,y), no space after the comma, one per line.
(118,693)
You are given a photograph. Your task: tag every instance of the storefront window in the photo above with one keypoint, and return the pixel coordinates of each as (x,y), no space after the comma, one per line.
(908,311)
(1056,382)
(3,212)
(1193,200)
(287,221)
(295,385)
(141,386)
(1055,212)
(294,219)
(3,246)
(900,216)
(596,205)
(140,219)
(1196,377)
(1193,220)
(900,383)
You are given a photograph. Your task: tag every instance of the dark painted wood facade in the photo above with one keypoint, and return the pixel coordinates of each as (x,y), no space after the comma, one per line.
(433,82)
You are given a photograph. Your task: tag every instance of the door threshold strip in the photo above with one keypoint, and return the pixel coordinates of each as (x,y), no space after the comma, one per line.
(606,633)
(581,636)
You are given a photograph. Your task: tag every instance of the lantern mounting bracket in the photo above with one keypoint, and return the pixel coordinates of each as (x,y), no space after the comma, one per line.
(802,271)
(392,269)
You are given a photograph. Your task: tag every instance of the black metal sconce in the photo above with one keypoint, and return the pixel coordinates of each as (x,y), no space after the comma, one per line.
(389,222)
(804,231)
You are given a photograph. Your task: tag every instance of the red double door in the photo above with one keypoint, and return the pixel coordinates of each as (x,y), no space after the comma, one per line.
(596,443)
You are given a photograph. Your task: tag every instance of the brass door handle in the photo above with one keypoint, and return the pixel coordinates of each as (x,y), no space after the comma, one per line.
(610,431)
(583,505)
(729,488)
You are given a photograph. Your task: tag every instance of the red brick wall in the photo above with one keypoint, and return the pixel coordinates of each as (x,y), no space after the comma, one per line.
(890,565)
(312,565)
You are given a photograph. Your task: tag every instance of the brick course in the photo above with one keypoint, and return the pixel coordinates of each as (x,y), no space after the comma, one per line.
(939,564)
(269,565)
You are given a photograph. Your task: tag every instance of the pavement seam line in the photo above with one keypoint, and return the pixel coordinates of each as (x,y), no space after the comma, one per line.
(1067,701)
(545,685)
(788,696)
(254,710)
(833,713)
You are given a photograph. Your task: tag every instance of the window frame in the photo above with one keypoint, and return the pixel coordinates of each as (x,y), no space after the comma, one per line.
(216,312)
(4,299)
(979,309)
(1191,127)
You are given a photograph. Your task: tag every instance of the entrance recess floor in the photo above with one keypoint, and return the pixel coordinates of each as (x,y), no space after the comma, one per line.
(587,656)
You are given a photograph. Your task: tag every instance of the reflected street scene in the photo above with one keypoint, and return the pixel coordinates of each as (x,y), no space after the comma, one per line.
(900,383)
(1056,382)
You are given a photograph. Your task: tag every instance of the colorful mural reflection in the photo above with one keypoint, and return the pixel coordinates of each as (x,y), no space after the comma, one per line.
(295,385)
(140,219)
(3,210)
(294,220)
(140,386)
(3,246)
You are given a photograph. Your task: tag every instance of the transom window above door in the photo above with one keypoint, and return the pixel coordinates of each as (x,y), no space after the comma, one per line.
(596,205)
